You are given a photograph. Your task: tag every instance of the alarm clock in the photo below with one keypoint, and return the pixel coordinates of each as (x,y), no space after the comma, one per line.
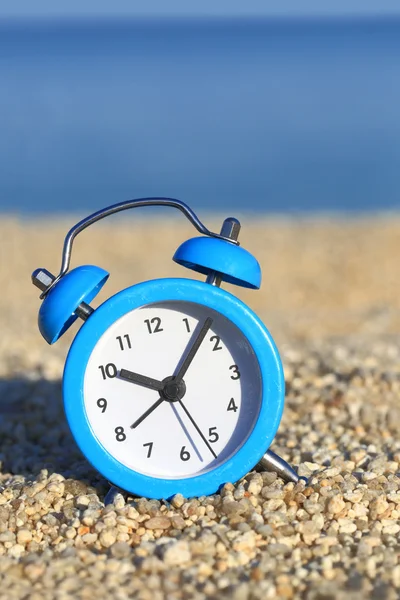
(171,385)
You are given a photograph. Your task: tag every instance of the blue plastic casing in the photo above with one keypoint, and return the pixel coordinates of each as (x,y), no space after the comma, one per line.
(190,291)
(235,264)
(57,311)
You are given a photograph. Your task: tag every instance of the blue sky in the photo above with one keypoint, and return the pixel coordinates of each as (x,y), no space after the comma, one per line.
(109,8)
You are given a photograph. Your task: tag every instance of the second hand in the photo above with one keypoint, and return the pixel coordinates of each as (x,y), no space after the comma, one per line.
(201,434)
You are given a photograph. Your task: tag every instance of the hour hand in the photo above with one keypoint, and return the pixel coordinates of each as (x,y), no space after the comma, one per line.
(143,380)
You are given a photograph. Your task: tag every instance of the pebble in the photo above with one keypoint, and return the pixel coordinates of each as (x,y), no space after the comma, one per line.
(120,550)
(336,505)
(177,553)
(178,501)
(177,522)
(108,537)
(158,523)
(24,536)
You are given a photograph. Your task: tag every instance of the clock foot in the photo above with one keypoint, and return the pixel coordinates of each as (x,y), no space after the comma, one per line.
(272,462)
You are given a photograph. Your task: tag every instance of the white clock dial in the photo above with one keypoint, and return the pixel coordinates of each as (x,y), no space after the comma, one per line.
(195,425)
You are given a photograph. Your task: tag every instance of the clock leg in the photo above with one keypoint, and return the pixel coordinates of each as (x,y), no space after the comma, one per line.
(272,462)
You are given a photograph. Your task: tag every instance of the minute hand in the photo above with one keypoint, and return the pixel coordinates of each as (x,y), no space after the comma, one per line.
(195,346)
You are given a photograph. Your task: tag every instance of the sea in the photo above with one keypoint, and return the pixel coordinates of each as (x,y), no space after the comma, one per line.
(261,115)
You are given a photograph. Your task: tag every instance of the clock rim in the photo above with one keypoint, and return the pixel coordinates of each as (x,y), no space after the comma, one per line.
(162,290)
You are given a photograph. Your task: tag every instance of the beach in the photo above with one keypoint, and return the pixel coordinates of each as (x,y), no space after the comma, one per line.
(330,298)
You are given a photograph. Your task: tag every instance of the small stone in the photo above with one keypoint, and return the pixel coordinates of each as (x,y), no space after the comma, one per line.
(304,471)
(391,529)
(119,501)
(312,467)
(255,485)
(378,507)
(132,513)
(396,576)
(158,523)
(83,530)
(24,536)
(108,537)
(34,570)
(56,488)
(82,501)
(89,538)
(232,508)
(70,533)
(328,540)
(120,550)
(279,549)
(368,476)
(76,488)
(178,522)
(347,526)
(16,551)
(269,477)
(310,531)
(7,536)
(353,496)
(177,501)
(246,541)
(265,530)
(336,505)
(177,553)
(312,507)
(331,472)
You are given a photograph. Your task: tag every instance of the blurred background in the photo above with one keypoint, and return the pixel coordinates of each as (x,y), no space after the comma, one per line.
(261,106)
(285,114)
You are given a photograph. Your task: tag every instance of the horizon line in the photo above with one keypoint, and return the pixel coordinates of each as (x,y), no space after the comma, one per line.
(124,18)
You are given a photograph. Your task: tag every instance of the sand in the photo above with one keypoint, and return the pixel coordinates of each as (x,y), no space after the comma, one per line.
(331,300)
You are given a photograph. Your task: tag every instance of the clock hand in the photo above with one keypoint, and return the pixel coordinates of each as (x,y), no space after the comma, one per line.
(170,391)
(152,383)
(193,350)
(182,371)
(198,429)
(148,382)
(147,413)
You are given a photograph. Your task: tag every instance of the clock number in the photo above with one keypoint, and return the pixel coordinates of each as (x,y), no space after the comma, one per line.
(184,455)
(186,321)
(120,434)
(156,321)
(217,341)
(232,405)
(102,403)
(121,341)
(236,372)
(213,435)
(150,445)
(109,370)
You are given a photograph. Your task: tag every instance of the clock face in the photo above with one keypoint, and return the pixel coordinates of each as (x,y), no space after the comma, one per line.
(172,390)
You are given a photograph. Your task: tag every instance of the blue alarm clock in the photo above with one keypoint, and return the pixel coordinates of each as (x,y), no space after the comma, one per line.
(171,385)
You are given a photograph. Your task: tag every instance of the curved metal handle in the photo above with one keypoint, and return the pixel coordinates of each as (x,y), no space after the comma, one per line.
(115,208)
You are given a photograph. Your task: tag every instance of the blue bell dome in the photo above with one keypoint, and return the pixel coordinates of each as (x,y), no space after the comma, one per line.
(233,263)
(57,312)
